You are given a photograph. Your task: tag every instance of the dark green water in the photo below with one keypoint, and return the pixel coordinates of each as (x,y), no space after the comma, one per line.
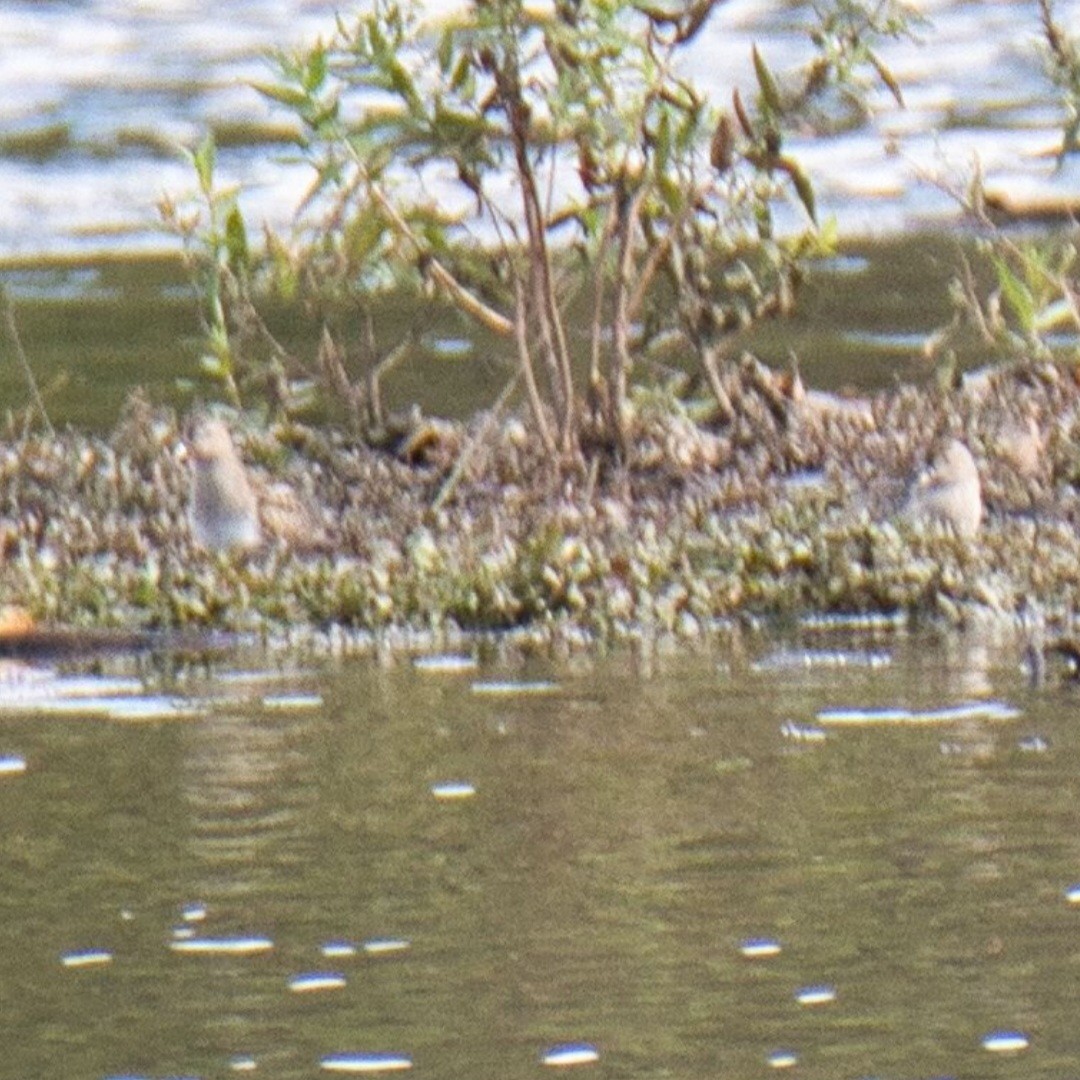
(93,331)
(626,834)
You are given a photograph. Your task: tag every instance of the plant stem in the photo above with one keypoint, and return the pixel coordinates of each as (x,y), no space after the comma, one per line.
(16,343)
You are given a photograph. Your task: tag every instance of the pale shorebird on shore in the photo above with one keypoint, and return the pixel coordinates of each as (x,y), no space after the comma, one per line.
(223,511)
(948,491)
(1020,443)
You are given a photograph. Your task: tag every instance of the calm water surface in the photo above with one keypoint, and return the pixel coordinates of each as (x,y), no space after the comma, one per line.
(97,96)
(580,858)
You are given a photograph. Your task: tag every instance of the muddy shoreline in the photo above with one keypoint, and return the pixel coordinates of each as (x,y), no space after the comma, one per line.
(781,504)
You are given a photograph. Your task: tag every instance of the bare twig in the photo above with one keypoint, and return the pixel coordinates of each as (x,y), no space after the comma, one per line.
(525,365)
(655,261)
(599,295)
(467,451)
(383,367)
(621,360)
(549,320)
(336,380)
(470,304)
(710,359)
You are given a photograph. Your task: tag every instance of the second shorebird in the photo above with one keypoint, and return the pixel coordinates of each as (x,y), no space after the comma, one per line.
(224,511)
(949,491)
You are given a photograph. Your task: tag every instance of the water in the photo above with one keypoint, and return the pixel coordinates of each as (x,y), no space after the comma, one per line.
(98,96)
(860,323)
(246,885)
(482,868)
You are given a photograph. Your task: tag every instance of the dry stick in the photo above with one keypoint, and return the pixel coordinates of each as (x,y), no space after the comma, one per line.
(590,482)
(620,358)
(654,262)
(20,355)
(383,367)
(332,373)
(465,300)
(543,294)
(281,354)
(974,308)
(1071,299)
(525,365)
(470,446)
(461,296)
(710,359)
(563,352)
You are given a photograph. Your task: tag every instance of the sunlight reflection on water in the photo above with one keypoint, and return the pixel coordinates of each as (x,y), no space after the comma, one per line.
(624,888)
(121,83)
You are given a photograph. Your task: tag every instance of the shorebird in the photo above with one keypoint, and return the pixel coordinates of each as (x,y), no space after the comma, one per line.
(1021,444)
(223,512)
(948,491)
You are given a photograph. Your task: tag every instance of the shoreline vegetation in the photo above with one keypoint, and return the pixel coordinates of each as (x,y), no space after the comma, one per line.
(788,506)
(621,227)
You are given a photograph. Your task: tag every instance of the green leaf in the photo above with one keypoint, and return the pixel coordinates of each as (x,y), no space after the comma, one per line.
(363,235)
(203,158)
(379,48)
(463,71)
(1016,293)
(315,69)
(671,192)
(284,95)
(213,366)
(764,220)
(446,51)
(887,77)
(323,113)
(801,182)
(770,92)
(236,242)
(217,337)
(400,81)
(662,142)
(686,132)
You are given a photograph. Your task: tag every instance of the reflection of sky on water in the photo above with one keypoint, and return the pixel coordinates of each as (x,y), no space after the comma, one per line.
(122,82)
(241,801)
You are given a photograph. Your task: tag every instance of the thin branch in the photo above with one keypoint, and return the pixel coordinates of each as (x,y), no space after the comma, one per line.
(599,295)
(383,367)
(470,304)
(655,261)
(621,360)
(521,336)
(710,359)
(547,310)
(20,355)
(467,451)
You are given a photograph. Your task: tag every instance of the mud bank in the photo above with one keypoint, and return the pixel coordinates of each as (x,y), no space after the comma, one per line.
(780,503)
